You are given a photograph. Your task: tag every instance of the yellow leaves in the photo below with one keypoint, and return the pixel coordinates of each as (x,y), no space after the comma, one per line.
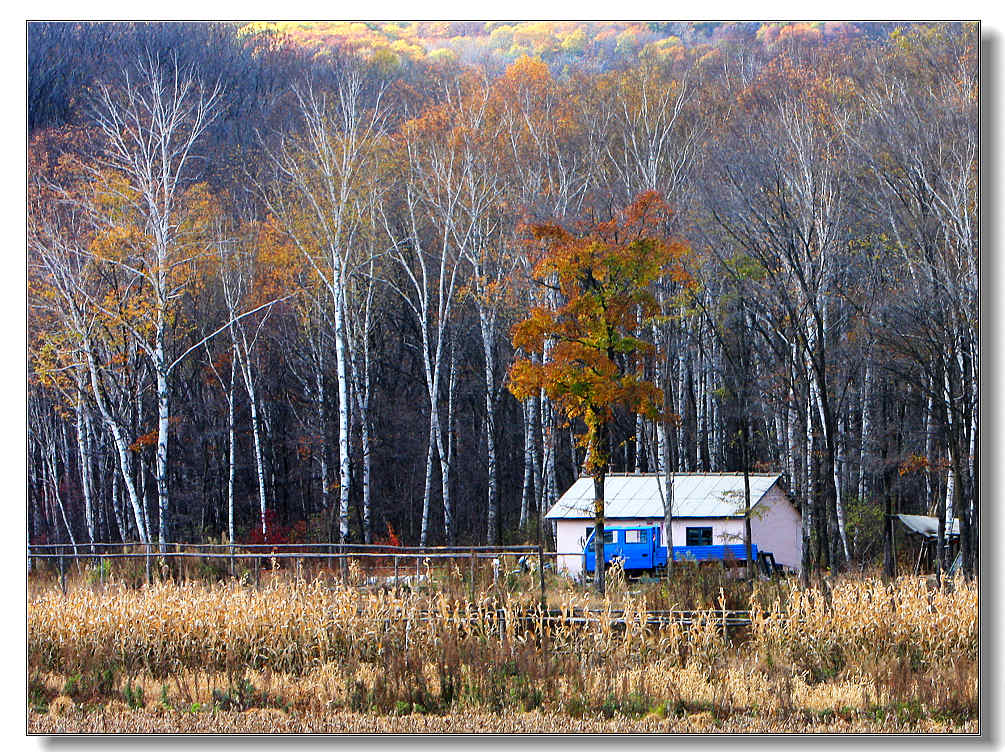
(118,242)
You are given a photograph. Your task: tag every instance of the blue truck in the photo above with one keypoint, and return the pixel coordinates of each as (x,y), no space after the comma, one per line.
(640,549)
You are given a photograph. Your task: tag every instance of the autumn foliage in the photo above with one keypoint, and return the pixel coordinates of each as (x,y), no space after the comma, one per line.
(604,277)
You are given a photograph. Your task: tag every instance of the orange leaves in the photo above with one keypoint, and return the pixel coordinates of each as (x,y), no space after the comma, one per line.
(918,463)
(527,73)
(604,276)
(280,264)
(146,440)
(624,254)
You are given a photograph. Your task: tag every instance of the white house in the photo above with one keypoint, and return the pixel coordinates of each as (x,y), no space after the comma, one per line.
(707,509)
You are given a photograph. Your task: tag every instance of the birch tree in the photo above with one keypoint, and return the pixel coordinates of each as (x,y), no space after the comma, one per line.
(320,182)
(150,126)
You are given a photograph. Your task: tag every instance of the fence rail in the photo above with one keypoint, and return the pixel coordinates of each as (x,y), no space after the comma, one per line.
(65,553)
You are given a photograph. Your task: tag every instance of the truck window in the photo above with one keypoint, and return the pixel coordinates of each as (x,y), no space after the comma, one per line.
(636,536)
(608,536)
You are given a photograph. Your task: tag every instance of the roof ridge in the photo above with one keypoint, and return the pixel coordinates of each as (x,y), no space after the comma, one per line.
(718,473)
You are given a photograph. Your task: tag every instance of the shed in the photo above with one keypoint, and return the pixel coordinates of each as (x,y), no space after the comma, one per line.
(926,530)
(707,510)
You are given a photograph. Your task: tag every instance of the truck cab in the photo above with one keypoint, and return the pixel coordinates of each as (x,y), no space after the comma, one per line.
(640,548)
(637,546)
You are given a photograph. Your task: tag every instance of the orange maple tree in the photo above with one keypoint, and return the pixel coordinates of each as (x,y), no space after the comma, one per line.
(605,275)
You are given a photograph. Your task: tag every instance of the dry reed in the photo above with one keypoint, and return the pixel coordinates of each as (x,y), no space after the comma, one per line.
(854,648)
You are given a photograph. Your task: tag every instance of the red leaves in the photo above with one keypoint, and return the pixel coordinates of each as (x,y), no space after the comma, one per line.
(276,532)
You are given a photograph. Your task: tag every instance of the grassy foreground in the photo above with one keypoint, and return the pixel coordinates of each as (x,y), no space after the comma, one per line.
(856,655)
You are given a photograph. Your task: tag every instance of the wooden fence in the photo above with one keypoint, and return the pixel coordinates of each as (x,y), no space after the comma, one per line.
(400,557)
(64,554)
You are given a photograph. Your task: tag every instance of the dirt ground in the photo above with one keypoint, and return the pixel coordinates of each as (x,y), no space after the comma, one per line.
(122,721)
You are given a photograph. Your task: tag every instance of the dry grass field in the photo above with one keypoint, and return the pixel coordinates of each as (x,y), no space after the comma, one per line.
(855,654)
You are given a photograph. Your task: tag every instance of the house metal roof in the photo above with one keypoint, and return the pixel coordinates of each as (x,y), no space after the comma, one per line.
(634,496)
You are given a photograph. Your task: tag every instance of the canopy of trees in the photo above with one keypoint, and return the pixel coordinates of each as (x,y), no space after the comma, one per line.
(274,273)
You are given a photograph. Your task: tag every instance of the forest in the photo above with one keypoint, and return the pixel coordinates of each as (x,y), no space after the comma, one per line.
(275,271)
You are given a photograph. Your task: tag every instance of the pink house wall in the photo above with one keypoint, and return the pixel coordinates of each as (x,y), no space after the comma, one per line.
(775,525)
(724,531)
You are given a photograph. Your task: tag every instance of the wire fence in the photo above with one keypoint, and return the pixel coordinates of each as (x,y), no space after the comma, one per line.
(398,568)
(373,565)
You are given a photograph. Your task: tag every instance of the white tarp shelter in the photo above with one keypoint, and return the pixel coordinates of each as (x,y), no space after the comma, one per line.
(928,527)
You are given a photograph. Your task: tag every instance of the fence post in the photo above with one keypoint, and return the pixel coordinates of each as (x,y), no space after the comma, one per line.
(231,559)
(471,576)
(146,547)
(395,557)
(62,571)
(540,573)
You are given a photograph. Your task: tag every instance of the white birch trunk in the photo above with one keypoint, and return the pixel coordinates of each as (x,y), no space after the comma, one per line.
(121,446)
(367,469)
(161,465)
(703,407)
(231,449)
(839,485)
(121,522)
(447,455)
(537,454)
(866,432)
(85,455)
(640,434)
(549,438)
(930,427)
(321,398)
(791,447)
(342,369)
(488,339)
(256,433)
(243,354)
(810,477)
(680,389)
(360,361)
(527,489)
(428,488)
(54,479)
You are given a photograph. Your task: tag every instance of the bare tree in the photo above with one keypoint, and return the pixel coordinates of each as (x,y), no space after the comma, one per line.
(319,193)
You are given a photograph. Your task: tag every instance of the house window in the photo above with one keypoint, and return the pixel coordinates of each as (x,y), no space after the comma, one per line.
(699,536)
